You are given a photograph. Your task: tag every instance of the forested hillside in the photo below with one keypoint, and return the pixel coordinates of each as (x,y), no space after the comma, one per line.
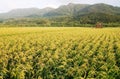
(65,15)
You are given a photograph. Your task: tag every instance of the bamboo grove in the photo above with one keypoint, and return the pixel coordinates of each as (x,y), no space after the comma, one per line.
(59,53)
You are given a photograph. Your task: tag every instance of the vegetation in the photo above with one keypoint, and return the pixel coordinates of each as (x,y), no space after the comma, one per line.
(72,15)
(88,20)
(59,53)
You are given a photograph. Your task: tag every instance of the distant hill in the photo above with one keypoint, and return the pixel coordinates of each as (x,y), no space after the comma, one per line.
(25,12)
(98,12)
(66,10)
(65,15)
(86,14)
(100,8)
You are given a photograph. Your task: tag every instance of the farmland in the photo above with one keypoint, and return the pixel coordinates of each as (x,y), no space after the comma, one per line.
(59,53)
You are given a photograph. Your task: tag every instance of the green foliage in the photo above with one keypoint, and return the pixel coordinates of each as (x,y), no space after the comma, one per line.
(93,18)
(71,15)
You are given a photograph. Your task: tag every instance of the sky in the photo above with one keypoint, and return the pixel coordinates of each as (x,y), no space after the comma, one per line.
(7,5)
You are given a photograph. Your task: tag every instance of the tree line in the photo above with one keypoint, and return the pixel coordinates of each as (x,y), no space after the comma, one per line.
(87,20)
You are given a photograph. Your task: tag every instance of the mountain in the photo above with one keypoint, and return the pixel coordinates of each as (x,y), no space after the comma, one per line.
(100,8)
(82,9)
(86,14)
(70,11)
(66,10)
(25,12)
(98,13)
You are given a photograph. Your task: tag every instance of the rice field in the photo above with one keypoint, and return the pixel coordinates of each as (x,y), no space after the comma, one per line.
(59,53)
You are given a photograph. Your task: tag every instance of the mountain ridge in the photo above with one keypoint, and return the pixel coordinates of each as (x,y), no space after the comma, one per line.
(72,10)
(24,12)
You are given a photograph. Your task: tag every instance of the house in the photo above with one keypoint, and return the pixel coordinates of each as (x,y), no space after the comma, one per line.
(99,25)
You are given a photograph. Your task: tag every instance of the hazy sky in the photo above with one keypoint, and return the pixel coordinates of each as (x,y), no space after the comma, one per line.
(7,5)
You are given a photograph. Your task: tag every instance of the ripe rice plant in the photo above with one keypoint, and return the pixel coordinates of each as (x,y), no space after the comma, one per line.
(59,53)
